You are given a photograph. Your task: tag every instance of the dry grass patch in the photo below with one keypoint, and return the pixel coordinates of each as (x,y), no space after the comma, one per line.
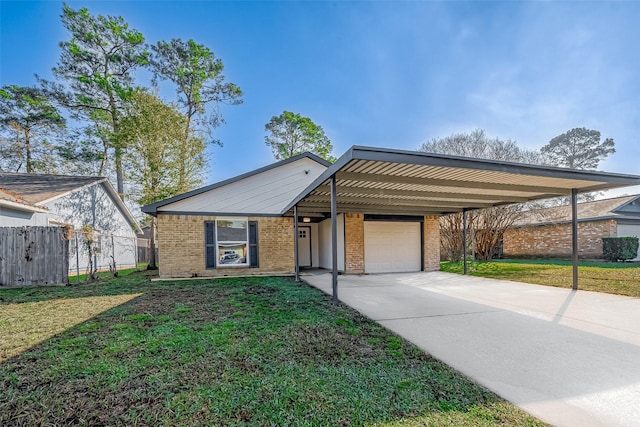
(27,324)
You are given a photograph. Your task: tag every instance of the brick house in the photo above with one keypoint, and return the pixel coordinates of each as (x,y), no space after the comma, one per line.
(546,233)
(382,206)
(230,218)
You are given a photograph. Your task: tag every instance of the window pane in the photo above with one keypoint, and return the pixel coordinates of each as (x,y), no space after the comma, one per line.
(232,242)
(232,231)
(232,253)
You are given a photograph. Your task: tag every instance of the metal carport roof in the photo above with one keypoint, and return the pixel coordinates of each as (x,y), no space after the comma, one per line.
(386,181)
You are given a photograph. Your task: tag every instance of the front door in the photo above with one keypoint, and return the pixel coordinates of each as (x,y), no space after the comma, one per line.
(304,246)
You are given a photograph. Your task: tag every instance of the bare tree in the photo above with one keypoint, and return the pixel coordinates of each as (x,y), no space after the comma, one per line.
(486,225)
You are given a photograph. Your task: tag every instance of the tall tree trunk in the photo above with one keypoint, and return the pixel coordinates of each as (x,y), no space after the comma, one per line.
(182,172)
(27,147)
(116,144)
(119,174)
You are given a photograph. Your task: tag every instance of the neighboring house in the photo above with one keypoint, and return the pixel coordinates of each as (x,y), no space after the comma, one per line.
(386,206)
(76,202)
(546,233)
(144,244)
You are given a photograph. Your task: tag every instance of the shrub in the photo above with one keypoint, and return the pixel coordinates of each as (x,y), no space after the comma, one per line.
(619,248)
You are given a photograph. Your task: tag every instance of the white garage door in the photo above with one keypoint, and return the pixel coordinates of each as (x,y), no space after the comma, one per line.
(626,230)
(391,247)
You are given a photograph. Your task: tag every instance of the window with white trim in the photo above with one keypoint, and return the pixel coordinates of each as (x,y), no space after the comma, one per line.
(232,237)
(231,242)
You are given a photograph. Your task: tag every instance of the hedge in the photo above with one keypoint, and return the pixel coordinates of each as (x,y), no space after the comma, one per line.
(619,248)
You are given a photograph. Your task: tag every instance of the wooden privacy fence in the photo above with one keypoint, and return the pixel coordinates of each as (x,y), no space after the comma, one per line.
(33,256)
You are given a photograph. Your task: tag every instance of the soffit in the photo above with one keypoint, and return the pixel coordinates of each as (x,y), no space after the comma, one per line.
(371,180)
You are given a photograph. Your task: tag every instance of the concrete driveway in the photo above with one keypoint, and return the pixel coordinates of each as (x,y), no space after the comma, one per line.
(569,358)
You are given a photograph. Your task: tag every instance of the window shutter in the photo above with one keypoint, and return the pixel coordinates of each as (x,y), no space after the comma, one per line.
(253,243)
(210,244)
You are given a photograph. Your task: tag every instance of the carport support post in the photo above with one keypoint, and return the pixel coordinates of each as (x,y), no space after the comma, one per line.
(464,241)
(574,236)
(334,240)
(295,242)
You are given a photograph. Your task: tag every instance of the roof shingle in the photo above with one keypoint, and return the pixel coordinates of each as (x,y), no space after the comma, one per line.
(37,188)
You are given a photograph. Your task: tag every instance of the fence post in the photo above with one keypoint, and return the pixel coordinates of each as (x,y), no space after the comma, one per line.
(136,252)
(113,255)
(75,233)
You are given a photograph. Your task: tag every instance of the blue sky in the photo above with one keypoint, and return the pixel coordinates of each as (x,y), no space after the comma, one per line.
(389,74)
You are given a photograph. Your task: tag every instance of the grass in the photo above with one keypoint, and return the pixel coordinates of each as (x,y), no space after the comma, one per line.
(608,277)
(233,352)
(75,279)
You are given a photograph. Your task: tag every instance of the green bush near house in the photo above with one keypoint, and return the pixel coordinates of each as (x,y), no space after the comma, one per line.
(619,248)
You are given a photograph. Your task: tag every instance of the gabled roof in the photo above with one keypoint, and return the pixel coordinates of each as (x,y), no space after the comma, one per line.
(387,181)
(153,208)
(33,190)
(587,211)
(42,188)
(13,201)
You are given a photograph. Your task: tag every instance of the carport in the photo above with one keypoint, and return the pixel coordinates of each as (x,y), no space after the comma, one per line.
(383,181)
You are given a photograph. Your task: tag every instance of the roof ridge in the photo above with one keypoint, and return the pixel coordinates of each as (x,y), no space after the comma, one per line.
(96,177)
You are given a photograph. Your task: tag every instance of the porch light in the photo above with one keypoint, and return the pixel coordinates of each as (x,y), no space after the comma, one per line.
(306,219)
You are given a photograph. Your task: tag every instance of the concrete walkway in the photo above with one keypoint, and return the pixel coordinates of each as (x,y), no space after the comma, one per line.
(569,358)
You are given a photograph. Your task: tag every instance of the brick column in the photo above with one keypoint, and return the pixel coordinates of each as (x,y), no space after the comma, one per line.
(431,243)
(354,243)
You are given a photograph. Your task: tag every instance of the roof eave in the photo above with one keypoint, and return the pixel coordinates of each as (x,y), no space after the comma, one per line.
(432,159)
(339,164)
(628,202)
(21,206)
(120,203)
(429,159)
(152,208)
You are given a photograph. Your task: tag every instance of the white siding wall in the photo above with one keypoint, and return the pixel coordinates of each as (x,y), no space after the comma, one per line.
(324,234)
(15,218)
(94,207)
(628,230)
(315,246)
(268,192)
(91,206)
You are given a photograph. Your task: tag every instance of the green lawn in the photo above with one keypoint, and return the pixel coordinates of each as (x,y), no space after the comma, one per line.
(610,277)
(260,351)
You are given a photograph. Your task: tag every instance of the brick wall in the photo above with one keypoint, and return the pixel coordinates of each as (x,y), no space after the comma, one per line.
(181,247)
(431,243)
(354,243)
(554,241)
